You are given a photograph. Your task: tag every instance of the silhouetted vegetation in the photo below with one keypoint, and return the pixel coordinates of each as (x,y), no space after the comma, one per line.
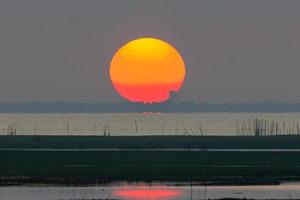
(150,142)
(260,127)
(82,167)
(80,160)
(11,129)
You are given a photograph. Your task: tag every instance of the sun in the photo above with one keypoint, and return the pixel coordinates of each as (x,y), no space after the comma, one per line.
(146,70)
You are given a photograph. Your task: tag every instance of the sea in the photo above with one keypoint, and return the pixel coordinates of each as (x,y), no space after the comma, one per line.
(118,124)
(140,124)
(155,191)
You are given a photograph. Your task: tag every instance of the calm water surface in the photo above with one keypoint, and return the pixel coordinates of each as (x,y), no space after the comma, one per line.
(139,123)
(143,124)
(150,192)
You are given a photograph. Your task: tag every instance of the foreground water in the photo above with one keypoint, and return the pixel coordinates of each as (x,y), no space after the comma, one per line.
(150,192)
(144,123)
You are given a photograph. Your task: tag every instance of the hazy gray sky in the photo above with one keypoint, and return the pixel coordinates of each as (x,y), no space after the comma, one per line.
(234,50)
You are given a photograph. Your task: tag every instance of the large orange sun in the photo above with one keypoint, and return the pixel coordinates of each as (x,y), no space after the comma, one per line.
(146,70)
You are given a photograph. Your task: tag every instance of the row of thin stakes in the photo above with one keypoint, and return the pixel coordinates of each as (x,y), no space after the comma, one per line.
(11,129)
(199,129)
(254,127)
(260,127)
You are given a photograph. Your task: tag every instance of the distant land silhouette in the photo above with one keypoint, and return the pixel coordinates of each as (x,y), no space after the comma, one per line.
(170,106)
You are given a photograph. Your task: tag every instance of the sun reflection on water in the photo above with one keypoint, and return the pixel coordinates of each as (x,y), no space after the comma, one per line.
(147,193)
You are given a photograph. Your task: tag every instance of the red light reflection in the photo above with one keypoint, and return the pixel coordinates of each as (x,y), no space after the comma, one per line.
(145,193)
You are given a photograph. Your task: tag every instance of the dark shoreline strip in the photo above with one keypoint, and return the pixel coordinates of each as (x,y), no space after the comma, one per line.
(116,149)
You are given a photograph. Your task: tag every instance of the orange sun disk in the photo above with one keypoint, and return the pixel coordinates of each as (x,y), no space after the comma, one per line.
(146,70)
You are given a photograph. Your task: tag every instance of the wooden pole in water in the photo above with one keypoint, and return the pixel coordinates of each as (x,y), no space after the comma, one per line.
(109,129)
(136,126)
(104,130)
(68,127)
(206,127)
(35,129)
(204,179)
(190,169)
(94,129)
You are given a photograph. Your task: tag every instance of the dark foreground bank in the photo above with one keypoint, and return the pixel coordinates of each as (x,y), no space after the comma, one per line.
(90,160)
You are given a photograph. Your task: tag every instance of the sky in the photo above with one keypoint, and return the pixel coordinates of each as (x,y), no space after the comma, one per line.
(234,50)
